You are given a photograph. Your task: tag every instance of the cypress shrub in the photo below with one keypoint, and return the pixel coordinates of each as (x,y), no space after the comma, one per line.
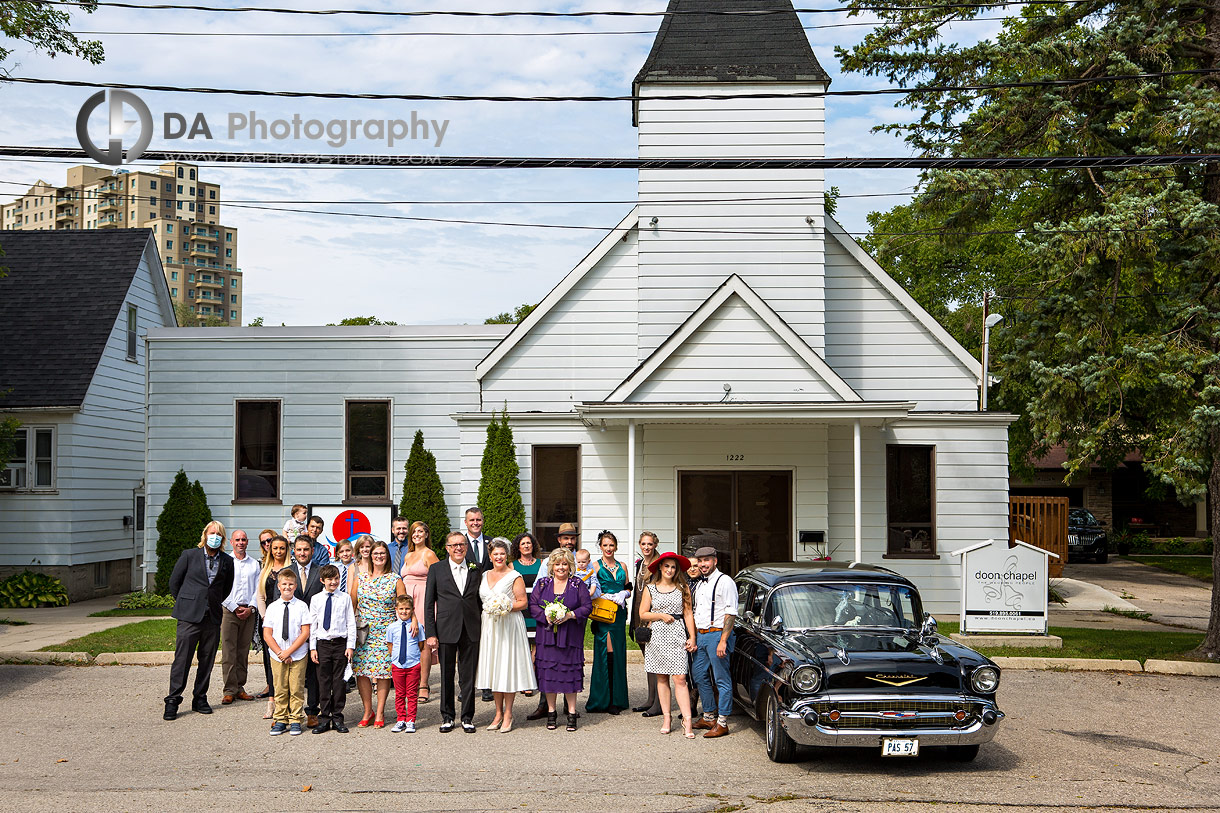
(500,487)
(423,496)
(178,526)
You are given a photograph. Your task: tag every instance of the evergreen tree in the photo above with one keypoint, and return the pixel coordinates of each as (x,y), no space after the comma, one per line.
(500,486)
(178,528)
(423,496)
(203,513)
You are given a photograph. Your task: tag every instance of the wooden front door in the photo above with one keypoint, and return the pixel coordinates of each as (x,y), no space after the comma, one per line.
(746,515)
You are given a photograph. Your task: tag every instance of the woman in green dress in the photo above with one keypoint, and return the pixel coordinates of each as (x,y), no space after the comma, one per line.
(608,683)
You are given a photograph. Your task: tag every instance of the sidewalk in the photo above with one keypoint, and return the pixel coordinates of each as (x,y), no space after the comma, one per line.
(1171,598)
(54,625)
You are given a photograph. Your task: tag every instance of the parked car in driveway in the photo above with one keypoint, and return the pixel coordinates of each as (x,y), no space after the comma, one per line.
(1086,537)
(832,654)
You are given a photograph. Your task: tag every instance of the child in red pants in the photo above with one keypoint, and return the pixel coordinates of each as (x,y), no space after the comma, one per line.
(404,663)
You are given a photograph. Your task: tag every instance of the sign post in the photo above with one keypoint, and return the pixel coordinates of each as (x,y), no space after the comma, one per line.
(1004,587)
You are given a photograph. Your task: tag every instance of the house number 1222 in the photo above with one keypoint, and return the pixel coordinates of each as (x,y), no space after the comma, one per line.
(734,458)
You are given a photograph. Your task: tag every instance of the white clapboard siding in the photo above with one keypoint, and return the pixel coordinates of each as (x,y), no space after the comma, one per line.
(693,247)
(882,349)
(427,374)
(735,347)
(99,453)
(583,346)
(971,476)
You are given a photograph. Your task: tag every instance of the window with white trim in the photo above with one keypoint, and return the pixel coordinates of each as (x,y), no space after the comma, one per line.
(132,324)
(32,465)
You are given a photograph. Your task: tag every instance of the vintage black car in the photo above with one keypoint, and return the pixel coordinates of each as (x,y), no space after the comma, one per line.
(1086,536)
(834,654)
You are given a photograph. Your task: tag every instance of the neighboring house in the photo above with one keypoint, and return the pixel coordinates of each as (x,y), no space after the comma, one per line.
(719,369)
(76,306)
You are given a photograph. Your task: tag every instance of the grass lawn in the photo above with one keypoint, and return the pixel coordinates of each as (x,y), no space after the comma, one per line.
(1103,643)
(1197,567)
(589,640)
(153,635)
(14,622)
(143,613)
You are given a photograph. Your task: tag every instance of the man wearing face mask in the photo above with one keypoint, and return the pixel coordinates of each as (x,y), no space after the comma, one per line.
(201,580)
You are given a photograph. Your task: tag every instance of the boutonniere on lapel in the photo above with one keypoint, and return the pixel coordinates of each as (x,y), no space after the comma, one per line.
(471,565)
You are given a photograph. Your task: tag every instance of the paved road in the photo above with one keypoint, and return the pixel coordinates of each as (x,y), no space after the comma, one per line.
(92,738)
(1171,597)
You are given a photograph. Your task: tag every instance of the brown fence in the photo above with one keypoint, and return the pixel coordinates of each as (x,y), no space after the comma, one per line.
(1043,523)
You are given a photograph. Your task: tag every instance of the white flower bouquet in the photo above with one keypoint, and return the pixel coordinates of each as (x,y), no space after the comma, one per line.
(498,606)
(555,611)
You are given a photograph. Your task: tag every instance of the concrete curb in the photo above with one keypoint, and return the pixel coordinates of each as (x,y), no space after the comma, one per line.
(46,657)
(1197,668)
(1069,664)
(166,658)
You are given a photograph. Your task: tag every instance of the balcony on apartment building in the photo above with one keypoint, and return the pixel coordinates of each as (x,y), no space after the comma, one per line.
(109,202)
(108,222)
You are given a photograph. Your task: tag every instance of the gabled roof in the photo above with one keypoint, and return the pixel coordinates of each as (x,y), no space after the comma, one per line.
(58,306)
(733,286)
(733,47)
(557,293)
(900,294)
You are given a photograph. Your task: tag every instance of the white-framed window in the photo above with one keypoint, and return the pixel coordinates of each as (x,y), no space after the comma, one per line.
(32,466)
(132,323)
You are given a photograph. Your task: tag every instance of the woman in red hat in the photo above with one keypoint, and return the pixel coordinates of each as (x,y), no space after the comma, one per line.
(668,607)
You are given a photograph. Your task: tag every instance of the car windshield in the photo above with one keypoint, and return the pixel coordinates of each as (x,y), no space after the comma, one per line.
(1082,517)
(804,606)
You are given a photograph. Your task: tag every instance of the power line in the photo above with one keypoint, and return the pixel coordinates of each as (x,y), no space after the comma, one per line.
(508,162)
(299,94)
(554,14)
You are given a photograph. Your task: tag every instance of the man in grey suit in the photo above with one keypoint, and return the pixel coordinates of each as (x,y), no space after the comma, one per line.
(202,577)
(309,584)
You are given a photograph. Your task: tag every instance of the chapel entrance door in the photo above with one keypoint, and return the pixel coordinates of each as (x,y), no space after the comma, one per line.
(746,515)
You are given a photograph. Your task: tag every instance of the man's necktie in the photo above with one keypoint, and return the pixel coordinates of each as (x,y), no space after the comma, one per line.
(285,636)
(402,646)
(304,577)
(343,578)
(326,613)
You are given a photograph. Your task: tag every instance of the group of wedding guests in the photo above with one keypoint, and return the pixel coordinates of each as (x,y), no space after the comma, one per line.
(492,612)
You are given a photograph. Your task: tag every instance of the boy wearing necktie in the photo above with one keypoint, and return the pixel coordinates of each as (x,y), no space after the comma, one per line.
(286,633)
(404,663)
(332,640)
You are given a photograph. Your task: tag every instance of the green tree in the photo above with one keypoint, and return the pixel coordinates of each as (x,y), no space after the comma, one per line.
(42,26)
(8,438)
(1111,285)
(258,322)
(178,527)
(188,318)
(500,486)
(362,320)
(514,318)
(423,495)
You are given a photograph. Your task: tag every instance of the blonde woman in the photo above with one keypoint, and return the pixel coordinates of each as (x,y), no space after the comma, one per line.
(669,612)
(559,652)
(202,577)
(648,554)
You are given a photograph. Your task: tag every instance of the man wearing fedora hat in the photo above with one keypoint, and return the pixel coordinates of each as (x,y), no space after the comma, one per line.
(715,598)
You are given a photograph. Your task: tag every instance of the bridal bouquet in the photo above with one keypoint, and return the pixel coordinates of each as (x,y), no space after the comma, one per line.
(498,606)
(555,611)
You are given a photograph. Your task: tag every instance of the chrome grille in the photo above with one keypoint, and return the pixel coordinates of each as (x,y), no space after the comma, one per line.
(896,714)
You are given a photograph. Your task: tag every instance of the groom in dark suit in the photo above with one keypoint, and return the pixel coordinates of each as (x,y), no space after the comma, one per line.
(452,611)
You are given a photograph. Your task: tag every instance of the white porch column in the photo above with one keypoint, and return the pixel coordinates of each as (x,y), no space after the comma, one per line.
(631,536)
(856,481)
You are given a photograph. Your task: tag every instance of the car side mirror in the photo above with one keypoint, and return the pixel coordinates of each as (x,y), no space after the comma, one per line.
(777,625)
(929,625)
(751,618)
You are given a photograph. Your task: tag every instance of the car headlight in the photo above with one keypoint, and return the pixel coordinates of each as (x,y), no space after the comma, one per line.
(807,679)
(985,679)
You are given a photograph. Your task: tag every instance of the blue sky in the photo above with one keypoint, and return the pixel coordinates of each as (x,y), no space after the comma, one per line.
(304,269)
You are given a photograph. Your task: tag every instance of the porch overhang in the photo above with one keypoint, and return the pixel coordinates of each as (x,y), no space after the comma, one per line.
(868,413)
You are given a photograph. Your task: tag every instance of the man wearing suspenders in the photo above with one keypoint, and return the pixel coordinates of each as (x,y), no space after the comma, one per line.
(715,596)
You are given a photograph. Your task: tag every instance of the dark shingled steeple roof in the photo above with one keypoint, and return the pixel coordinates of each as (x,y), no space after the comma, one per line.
(731,47)
(58,306)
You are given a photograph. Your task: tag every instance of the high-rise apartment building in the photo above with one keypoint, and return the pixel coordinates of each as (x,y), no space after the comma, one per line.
(199,254)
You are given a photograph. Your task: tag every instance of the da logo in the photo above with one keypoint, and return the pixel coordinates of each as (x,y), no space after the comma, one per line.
(118,127)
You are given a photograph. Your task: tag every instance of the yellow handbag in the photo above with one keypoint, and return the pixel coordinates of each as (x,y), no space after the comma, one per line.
(604,610)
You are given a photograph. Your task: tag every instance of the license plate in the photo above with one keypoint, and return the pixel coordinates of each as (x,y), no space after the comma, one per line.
(891,747)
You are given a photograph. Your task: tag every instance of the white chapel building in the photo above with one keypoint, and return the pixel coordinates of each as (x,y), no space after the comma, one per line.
(762,386)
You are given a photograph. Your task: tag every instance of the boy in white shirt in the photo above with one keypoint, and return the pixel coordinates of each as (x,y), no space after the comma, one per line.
(332,640)
(286,633)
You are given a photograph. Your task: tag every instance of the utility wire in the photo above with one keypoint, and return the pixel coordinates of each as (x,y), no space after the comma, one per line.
(557,14)
(298,94)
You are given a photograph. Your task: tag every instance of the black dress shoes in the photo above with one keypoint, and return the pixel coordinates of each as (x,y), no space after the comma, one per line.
(468,727)
(446,726)
(171,712)
(340,728)
(639,708)
(201,707)
(322,727)
(651,713)
(487,696)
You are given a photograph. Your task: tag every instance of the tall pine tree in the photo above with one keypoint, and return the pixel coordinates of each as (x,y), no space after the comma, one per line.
(500,486)
(178,527)
(423,495)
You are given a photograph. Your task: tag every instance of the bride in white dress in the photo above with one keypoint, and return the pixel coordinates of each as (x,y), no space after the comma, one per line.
(504,651)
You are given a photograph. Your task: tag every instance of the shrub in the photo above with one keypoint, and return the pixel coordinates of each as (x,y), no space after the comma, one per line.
(1141,544)
(30,589)
(500,486)
(181,521)
(142,600)
(423,496)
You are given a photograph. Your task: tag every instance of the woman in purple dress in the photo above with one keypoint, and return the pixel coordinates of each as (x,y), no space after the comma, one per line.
(559,656)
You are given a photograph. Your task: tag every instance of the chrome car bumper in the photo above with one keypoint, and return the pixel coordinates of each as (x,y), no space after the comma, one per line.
(806,727)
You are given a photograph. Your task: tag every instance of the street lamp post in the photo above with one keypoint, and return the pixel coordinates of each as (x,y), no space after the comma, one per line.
(991,321)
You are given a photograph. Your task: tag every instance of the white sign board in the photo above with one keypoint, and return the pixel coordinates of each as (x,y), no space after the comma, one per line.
(1004,589)
(345,521)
